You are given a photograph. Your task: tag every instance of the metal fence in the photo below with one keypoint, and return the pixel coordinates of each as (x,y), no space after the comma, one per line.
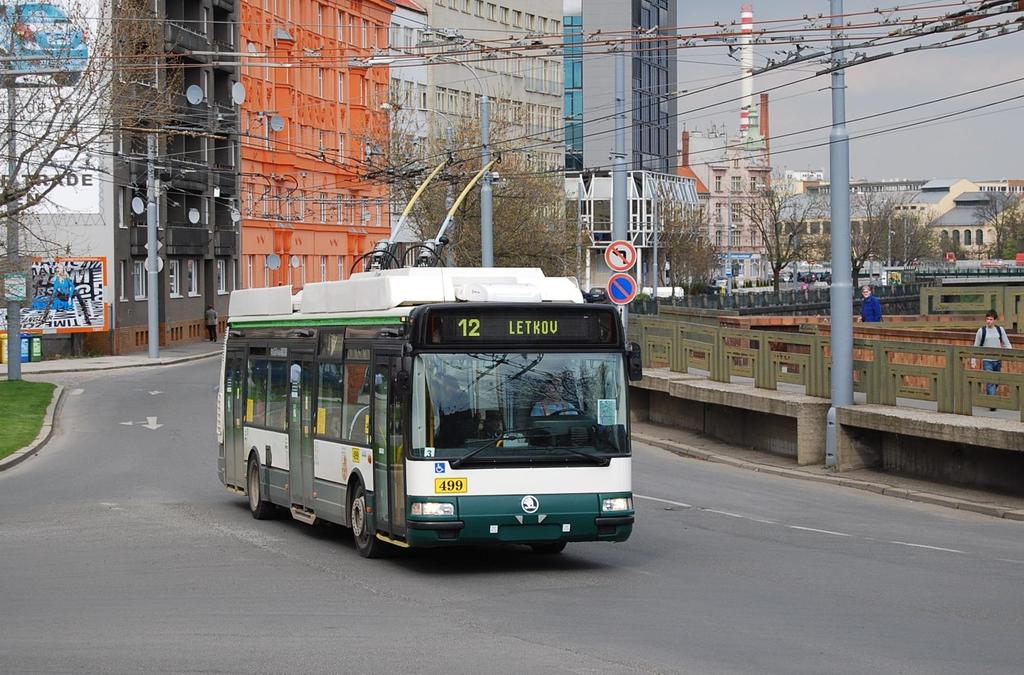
(950,375)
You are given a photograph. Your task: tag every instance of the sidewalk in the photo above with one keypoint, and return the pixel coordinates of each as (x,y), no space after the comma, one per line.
(168,355)
(691,444)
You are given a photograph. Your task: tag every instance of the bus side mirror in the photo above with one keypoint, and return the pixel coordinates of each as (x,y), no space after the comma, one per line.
(634,362)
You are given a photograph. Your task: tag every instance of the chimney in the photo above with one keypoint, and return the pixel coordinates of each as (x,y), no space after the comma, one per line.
(765,133)
(746,67)
(684,153)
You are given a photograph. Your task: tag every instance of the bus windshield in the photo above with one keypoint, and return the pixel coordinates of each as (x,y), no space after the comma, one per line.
(517,407)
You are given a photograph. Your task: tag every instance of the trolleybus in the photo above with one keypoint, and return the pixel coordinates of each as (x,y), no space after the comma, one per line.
(431,407)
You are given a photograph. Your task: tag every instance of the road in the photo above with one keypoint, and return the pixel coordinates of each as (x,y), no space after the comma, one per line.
(121,552)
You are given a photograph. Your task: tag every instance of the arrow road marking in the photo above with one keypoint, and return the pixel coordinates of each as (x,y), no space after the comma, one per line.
(154,393)
(150,423)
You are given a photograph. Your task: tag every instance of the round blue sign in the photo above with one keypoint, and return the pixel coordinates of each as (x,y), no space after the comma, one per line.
(621,289)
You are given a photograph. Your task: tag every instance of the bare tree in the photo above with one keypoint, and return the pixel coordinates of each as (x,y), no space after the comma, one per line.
(529,216)
(1005,213)
(66,113)
(685,246)
(781,217)
(912,239)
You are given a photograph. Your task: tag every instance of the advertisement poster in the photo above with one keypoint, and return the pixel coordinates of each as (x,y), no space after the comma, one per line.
(67,295)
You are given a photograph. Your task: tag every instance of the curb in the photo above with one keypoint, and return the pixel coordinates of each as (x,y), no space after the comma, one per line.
(1006,512)
(161,362)
(45,431)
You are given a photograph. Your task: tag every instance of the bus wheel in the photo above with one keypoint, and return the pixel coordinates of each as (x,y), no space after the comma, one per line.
(366,543)
(260,508)
(548,549)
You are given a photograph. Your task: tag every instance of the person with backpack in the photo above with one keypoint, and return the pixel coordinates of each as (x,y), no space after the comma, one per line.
(993,337)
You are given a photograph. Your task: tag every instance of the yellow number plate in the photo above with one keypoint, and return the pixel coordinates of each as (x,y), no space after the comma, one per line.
(451,485)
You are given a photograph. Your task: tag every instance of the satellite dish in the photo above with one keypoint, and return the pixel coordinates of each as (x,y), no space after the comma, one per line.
(238,93)
(194,94)
(193,216)
(251,48)
(138,206)
(235,215)
(274,261)
(296,262)
(276,123)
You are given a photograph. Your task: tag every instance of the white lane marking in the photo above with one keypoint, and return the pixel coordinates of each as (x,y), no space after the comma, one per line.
(726,513)
(814,529)
(75,392)
(933,548)
(1011,560)
(766,522)
(664,501)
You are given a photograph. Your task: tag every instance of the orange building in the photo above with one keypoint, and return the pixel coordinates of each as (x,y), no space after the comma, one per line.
(307,127)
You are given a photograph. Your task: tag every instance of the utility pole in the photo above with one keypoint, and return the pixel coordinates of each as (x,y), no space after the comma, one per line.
(13,306)
(152,261)
(728,241)
(620,194)
(449,198)
(486,227)
(841,292)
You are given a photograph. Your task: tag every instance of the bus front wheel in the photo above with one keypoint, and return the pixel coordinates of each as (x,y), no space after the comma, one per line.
(260,508)
(366,543)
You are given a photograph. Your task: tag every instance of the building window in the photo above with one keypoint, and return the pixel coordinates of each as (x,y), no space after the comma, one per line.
(979,238)
(320,82)
(222,281)
(956,237)
(967,237)
(323,268)
(122,279)
(248,270)
(139,279)
(718,182)
(192,277)
(174,278)
(341,87)
(737,183)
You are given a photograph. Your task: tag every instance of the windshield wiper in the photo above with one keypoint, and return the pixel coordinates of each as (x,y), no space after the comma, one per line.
(600,461)
(505,435)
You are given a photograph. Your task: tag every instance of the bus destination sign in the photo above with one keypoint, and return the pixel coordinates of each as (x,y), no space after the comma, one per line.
(510,326)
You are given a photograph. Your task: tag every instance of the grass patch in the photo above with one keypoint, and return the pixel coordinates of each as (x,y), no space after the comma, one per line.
(22,406)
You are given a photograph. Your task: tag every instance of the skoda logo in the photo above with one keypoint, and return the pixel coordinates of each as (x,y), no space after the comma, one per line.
(530,504)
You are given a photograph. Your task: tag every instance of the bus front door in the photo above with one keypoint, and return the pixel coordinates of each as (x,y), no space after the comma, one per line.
(389,449)
(234,443)
(300,435)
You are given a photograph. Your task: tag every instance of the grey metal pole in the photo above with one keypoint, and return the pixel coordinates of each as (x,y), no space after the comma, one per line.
(486,205)
(841,292)
(728,242)
(654,255)
(620,194)
(153,272)
(13,243)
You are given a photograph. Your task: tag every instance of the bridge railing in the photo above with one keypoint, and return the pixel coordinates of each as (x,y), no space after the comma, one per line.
(951,376)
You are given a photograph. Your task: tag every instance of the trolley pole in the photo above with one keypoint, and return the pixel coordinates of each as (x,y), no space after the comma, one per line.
(13,242)
(841,292)
(620,195)
(152,261)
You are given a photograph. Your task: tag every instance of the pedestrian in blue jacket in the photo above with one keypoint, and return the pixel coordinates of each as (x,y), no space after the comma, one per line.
(871,309)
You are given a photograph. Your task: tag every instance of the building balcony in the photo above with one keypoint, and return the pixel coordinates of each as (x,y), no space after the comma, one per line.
(226,5)
(185,240)
(189,174)
(182,35)
(225,243)
(137,238)
(225,177)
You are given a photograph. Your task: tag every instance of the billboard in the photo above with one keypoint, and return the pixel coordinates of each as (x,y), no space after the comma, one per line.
(68,295)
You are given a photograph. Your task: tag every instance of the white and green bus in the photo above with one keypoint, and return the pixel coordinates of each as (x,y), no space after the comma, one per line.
(431,407)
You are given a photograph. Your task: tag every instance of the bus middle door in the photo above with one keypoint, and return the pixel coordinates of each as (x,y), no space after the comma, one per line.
(234,443)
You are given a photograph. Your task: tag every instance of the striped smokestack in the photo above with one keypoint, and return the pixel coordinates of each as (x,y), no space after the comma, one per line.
(747,66)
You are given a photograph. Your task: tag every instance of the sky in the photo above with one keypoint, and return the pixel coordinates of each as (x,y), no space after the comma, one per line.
(984,144)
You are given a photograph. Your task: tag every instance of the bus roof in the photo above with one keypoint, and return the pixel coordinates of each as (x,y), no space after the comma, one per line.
(395,291)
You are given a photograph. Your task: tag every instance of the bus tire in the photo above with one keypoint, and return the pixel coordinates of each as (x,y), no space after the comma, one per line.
(366,541)
(549,548)
(260,508)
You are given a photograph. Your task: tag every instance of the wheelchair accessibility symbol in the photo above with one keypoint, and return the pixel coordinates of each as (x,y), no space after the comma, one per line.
(438,467)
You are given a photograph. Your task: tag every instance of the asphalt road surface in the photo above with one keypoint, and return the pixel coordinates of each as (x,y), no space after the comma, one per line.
(121,552)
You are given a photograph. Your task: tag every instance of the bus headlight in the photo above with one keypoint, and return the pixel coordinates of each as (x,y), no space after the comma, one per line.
(617,504)
(433,509)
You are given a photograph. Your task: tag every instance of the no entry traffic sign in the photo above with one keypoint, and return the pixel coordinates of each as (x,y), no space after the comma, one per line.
(620,255)
(621,289)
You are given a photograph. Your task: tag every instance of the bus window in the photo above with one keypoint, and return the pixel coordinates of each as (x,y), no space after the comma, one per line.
(256,398)
(357,403)
(329,418)
(277,396)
